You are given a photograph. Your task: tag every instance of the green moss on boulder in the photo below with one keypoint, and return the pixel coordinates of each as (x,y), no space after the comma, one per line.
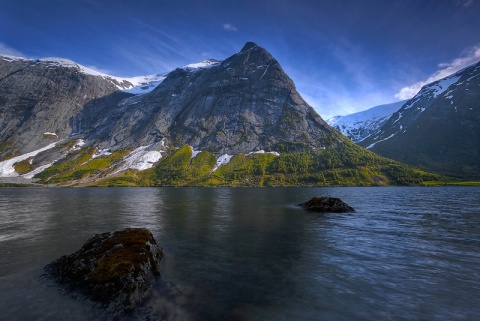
(115,269)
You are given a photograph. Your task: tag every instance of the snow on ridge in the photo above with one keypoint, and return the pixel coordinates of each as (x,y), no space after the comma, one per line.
(442,85)
(134,85)
(221,161)
(332,121)
(146,85)
(12,58)
(6,166)
(201,65)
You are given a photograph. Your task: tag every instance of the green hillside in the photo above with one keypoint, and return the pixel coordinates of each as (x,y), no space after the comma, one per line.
(345,165)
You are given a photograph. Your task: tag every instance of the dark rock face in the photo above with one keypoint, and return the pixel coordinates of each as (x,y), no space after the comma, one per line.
(38,97)
(242,104)
(326,204)
(113,269)
(438,129)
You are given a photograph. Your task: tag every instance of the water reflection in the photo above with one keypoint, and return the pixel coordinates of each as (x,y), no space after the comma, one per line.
(248,253)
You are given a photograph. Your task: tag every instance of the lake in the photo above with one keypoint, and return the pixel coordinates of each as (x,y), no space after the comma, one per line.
(407,253)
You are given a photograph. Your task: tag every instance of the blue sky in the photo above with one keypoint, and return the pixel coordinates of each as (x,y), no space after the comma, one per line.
(344,56)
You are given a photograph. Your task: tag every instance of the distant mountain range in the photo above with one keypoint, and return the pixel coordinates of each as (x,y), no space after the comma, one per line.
(240,122)
(437,130)
(359,126)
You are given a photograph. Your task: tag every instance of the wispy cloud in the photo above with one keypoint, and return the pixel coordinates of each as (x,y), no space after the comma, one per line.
(469,57)
(465,3)
(229,27)
(100,70)
(6,50)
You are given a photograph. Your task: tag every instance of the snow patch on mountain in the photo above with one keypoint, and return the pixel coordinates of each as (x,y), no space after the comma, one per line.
(144,84)
(371,145)
(221,161)
(195,152)
(441,86)
(359,126)
(263,152)
(37,170)
(140,159)
(101,152)
(6,166)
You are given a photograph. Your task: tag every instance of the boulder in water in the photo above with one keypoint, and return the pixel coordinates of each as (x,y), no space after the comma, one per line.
(115,269)
(326,204)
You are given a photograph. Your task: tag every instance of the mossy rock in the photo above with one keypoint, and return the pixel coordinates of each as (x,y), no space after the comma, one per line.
(115,269)
(327,204)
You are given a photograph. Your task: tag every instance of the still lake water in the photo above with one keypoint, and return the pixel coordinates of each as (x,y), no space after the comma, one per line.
(407,253)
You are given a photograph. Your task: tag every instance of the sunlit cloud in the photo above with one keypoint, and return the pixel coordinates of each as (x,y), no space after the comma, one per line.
(6,50)
(469,57)
(229,27)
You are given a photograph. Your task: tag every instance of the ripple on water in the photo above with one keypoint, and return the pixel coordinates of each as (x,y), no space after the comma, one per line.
(405,254)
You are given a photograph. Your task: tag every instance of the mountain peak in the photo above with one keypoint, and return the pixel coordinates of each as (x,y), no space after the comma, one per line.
(249,45)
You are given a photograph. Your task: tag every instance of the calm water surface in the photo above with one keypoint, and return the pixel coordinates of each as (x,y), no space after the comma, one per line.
(250,254)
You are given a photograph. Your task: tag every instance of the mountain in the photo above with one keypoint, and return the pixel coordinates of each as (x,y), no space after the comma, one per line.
(358,126)
(438,129)
(245,103)
(39,97)
(239,121)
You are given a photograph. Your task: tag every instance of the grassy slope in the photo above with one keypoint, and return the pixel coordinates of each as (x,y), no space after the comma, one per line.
(78,166)
(346,165)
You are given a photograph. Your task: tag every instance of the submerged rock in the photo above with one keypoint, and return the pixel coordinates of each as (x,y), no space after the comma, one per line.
(326,204)
(115,269)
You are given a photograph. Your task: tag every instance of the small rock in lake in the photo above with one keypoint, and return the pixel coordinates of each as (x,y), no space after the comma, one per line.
(114,269)
(326,204)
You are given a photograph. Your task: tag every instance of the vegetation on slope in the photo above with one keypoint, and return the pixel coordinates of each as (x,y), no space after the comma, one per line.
(79,165)
(346,165)
(24,166)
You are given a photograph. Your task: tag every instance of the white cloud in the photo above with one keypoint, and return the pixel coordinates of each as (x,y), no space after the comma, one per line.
(229,27)
(465,3)
(6,50)
(469,57)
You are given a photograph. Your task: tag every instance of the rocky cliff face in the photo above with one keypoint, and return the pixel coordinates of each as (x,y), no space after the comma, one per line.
(242,104)
(38,100)
(54,111)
